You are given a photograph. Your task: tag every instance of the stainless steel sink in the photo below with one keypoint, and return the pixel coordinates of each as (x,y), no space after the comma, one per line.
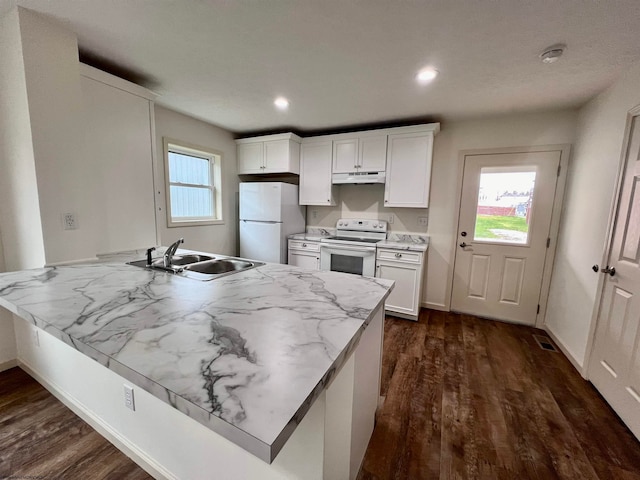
(200,267)
(216,267)
(185,259)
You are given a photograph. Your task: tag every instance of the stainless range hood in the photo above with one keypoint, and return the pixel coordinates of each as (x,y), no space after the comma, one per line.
(358,177)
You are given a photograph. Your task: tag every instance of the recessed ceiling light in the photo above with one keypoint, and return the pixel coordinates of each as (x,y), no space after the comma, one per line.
(426,75)
(281,103)
(552,54)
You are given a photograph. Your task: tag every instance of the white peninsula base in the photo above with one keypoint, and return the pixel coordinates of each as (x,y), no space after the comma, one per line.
(329,443)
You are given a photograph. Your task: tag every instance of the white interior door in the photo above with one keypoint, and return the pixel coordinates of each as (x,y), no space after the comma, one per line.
(614,367)
(505,217)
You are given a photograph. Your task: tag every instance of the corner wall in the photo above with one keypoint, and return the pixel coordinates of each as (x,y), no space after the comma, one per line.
(20,226)
(588,200)
(209,238)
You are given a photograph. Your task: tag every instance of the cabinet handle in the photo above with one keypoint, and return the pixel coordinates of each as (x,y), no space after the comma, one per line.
(328,201)
(355,166)
(398,255)
(304,244)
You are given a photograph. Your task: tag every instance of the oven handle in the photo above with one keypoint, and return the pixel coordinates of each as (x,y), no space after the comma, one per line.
(346,247)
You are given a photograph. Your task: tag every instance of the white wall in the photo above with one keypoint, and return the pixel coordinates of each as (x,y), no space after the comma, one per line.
(588,199)
(50,54)
(496,132)
(19,206)
(209,238)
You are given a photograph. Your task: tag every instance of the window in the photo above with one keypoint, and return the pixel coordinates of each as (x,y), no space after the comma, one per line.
(193,179)
(505,201)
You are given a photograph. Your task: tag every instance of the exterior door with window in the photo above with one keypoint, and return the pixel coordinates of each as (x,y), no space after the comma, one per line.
(614,366)
(505,217)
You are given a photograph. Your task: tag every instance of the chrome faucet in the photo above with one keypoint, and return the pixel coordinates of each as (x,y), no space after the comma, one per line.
(171,251)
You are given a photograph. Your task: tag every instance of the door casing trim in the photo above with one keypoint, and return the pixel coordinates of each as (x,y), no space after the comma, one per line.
(565,152)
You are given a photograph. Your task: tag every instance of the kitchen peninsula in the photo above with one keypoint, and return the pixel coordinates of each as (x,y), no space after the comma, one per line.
(278,363)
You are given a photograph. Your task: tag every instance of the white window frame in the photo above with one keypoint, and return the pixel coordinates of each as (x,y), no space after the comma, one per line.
(215,183)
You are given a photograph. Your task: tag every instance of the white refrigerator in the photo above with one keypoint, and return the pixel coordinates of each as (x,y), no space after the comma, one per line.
(269,213)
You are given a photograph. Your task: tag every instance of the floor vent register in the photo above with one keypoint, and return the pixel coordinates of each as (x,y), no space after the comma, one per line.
(545,343)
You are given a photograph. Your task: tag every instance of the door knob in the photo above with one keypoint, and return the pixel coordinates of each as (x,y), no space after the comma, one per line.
(595,268)
(610,270)
(463,245)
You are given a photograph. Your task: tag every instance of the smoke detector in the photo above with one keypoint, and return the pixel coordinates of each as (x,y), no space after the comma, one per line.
(552,54)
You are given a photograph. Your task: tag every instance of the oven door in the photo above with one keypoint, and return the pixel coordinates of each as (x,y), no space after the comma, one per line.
(358,260)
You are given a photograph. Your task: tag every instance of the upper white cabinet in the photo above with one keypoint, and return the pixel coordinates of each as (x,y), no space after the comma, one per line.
(269,154)
(408,177)
(315,174)
(360,154)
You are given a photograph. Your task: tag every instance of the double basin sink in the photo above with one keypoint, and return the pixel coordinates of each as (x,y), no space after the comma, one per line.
(200,267)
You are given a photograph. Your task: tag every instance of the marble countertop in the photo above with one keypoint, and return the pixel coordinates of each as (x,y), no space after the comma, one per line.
(245,355)
(403,245)
(307,237)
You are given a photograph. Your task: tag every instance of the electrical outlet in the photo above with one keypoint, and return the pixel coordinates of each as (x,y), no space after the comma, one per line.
(392,217)
(69,221)
(423,221)
(314,214)
(129,402)
(36,337)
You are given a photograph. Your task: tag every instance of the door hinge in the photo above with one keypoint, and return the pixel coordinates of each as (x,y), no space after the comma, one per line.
(548,241)
(559,168)
(538,311)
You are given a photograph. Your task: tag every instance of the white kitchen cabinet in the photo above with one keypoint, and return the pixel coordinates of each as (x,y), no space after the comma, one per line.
(360,154)
(406,269)
(269,154)
(408,170)
(304,254)
(315,174)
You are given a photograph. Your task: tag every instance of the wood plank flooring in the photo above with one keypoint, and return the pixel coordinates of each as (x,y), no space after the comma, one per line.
(41,438)
(468,398)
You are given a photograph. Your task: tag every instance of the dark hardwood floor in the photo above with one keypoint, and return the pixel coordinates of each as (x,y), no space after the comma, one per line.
(468,398)
(40,438)
(465,399)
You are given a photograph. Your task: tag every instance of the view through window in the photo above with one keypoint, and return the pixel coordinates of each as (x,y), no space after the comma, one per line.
(504,205)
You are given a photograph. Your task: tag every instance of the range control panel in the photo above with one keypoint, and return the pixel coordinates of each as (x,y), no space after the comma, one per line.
(362,225)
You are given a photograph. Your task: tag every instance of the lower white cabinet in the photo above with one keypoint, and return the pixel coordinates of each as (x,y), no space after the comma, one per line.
(406,269)
(304,254)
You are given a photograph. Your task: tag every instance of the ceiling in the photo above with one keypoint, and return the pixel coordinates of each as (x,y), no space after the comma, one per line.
(353,62)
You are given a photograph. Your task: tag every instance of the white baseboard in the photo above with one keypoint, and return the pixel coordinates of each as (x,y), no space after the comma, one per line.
(121,443)
(8,364)
(435,306)
(567,352)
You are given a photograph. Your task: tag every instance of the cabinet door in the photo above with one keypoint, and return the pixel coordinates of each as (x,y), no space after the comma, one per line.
(315,174)
(405,295)
(372,154)
(309,261)
(408,170)
(345,156)
(250,157)
(276,156)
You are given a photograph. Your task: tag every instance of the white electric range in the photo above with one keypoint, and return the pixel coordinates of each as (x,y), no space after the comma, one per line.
(353,248)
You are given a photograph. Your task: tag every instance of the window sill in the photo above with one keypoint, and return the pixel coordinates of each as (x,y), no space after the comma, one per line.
(194,223)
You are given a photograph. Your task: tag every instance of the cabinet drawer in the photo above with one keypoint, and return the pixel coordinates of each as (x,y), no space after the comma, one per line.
(399,256)
(304,245)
